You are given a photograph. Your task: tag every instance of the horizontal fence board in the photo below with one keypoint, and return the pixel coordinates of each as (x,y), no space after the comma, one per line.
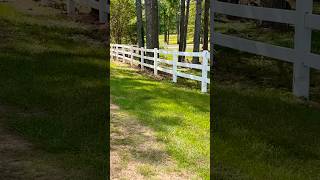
(148,58)
(169,71)
(122,51)
(255,47)
(313,60)
(136,49)
(193,54)
(313,21)
(148,65)
(149,50)
(165,52)
(254,12)
(123,46)
(189,76)
(188,65)
(164,61)
(126,58)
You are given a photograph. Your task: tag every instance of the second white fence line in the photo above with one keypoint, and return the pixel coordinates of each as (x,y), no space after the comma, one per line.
(128,53)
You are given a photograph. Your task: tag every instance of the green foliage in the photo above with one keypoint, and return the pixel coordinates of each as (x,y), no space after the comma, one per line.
(168,15)
(123,21)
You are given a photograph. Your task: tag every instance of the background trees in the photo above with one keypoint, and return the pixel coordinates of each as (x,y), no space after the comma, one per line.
(144,22)
(169,14)
(122,26)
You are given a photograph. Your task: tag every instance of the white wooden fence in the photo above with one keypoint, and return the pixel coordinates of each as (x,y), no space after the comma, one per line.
(100,5)
(301,57)
(137,56)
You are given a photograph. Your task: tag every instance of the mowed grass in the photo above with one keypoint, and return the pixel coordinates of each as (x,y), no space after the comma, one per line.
(179,115)
(264,134)
(54,66)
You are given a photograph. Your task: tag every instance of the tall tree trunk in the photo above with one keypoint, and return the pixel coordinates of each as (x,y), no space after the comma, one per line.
(196,36)
(168,37)
(168,28)
(152,18)
(186,26)
(178,29)
(184,29)
(213,121)
(140,30)
(206,25)
(165,36)
(181,29)
(107,121)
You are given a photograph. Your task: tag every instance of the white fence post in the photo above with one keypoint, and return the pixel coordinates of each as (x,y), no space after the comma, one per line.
(111,51)
(131,55)
(142,57)
(204,87)
(71,7)
(302,43)
(155,61)
(174,67)
(117,52)
(122,51)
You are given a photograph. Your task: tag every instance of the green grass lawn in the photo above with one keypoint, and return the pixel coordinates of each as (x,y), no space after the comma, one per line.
(58,67)
(264,134)
(263,131)
(179,115)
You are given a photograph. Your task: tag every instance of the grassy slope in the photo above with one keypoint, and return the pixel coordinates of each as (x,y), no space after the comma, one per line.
(47,63)
(265,134)
(180,116)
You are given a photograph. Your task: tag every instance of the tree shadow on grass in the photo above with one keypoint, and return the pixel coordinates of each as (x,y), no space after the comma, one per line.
(72,89)
(61,71)
(266,127)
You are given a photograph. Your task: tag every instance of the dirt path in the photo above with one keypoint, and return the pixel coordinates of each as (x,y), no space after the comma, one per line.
(136,153)
(19,159)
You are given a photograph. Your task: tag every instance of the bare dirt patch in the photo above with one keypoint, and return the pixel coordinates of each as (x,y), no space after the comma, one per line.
(19,158)
(136,153)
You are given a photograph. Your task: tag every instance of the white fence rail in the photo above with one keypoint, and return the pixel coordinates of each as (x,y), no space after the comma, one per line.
(304,22)
(137,56)
(100,5)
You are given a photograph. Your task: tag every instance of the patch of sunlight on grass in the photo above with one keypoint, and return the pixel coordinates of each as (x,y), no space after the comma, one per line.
(174,113)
